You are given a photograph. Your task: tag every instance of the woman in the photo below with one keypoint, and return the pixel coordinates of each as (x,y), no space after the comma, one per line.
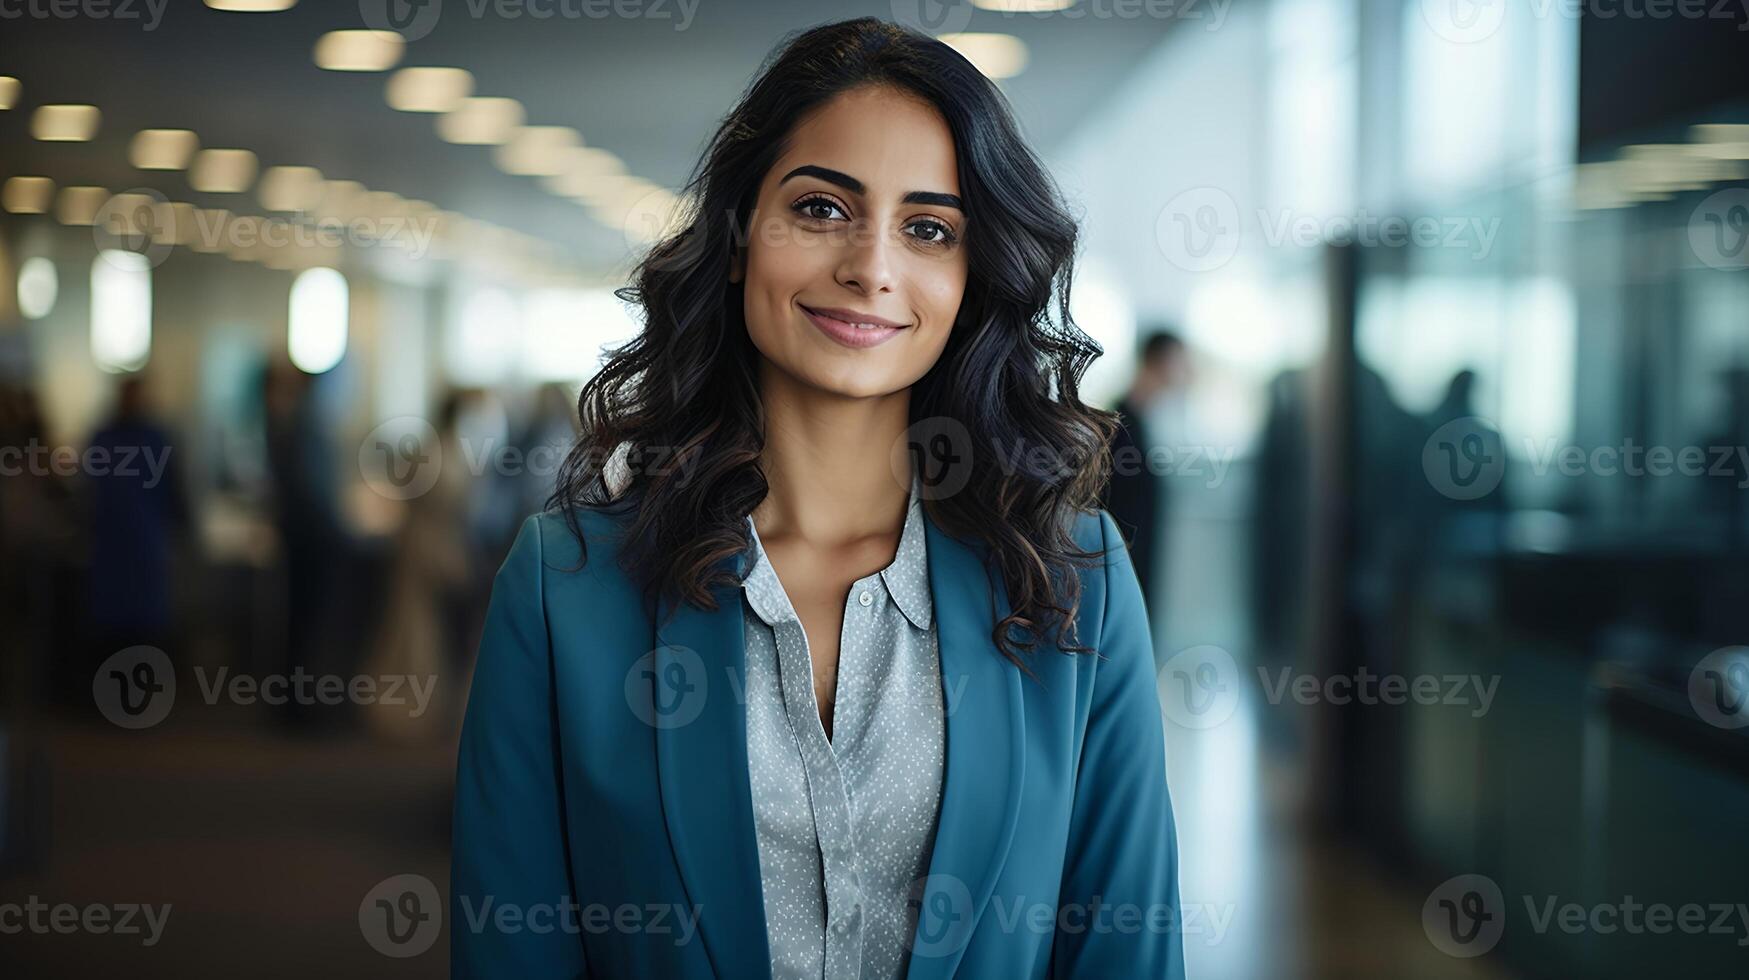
(820,664)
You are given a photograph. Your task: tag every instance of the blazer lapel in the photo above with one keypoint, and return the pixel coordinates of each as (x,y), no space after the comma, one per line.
(700,720)
(985,762)
(701,752)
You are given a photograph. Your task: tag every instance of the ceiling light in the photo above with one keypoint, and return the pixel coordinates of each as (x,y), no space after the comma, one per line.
(222,171)
(162,149)
(27,195)
(996,55)
(1023,6)
(358,50)
(537,151)
(79,205)
(428,89)
(582,166)
(65,123)
(1724,141)
(252,6)
(481,121)
(290,188)
(9,89)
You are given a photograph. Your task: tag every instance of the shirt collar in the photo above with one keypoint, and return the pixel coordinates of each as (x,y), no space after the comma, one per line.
(906,578)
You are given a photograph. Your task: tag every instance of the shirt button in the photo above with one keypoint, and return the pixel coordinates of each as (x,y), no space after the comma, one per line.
(865,598)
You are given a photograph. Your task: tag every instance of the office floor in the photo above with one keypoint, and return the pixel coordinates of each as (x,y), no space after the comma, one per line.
(265,846)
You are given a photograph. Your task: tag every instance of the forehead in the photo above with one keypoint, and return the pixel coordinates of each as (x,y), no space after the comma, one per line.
(890,140)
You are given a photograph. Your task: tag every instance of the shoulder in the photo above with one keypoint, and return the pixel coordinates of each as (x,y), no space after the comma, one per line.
(557,547)
(1095,531)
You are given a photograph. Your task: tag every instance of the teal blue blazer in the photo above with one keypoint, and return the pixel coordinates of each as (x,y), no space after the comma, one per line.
(602,802)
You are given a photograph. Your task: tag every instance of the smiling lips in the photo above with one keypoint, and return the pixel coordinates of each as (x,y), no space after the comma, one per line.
(852,328)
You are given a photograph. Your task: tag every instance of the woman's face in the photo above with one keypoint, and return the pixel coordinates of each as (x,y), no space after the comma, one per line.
(859,221)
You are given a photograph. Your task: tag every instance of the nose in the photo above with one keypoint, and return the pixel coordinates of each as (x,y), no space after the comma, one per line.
(867,263)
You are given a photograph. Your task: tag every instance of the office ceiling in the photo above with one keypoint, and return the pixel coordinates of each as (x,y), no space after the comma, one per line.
(649,88)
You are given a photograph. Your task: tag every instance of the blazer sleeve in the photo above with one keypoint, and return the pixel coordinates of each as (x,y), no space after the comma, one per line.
(509,848)
(1121,871)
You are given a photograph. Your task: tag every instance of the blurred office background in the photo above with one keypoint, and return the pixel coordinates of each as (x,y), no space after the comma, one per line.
(293,324)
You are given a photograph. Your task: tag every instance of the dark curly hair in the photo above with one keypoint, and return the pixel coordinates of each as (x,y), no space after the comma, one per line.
(687,387)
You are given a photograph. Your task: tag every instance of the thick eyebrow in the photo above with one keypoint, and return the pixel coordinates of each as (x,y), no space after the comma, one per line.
(855,186)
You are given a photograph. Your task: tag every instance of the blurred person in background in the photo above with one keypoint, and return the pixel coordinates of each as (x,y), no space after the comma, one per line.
(420,633)
(1136,495)
(819,808)
(546,437)
(38,524)
(137,508)
(306,499)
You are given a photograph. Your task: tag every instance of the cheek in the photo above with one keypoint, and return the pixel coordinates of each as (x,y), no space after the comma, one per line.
(940,291)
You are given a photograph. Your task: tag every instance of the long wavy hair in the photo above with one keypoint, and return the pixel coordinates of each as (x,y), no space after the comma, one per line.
(677,409)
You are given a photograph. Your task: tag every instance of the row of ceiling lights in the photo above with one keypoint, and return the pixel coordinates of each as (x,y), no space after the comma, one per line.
(588,175)
(233,170)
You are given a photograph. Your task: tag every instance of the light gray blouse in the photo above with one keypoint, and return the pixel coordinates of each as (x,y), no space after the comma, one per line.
(845,826)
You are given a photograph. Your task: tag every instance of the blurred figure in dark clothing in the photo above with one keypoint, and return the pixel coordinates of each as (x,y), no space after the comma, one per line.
(306,489)
(1135,496)
(137,507)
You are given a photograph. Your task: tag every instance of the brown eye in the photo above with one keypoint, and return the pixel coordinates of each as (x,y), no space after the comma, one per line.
(932,233)
(817,208)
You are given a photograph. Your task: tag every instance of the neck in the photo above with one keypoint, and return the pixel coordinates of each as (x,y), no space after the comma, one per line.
(827,459)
